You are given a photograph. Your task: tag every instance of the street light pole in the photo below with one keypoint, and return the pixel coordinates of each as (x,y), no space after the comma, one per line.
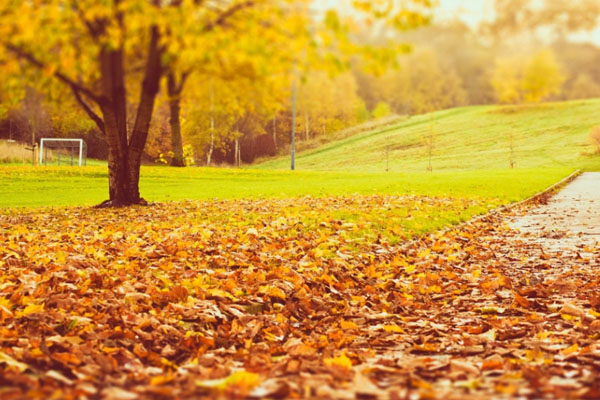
(294,104)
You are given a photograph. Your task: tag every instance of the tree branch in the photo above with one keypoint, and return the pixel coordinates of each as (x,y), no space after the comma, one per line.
(88,109)
(21,53)
(230,12)
(184,76)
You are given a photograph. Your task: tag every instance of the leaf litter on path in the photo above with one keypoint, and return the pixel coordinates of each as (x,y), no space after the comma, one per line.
(282,299)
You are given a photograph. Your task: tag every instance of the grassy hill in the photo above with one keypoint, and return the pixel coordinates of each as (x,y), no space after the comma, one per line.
(481,137)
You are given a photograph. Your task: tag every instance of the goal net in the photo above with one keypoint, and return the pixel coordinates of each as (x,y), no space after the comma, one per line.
(55,151)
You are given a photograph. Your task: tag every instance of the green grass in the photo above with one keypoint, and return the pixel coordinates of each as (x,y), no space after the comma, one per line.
(60,186)
(470,171)
(551,135)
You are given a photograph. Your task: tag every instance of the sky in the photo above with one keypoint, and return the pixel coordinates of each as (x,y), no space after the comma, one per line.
(474,11)
(470,11)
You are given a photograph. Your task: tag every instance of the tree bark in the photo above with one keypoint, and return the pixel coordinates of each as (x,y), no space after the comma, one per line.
(113,110)
(306,127)
(125,156)
(275,131)
(237,153)
(211,148)
(137,142)
(174,93)
(212,126)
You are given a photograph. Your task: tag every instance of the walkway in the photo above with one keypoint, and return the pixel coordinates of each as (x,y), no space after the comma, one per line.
(571,219)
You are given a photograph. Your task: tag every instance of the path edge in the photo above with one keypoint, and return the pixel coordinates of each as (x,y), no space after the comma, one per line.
(544,195)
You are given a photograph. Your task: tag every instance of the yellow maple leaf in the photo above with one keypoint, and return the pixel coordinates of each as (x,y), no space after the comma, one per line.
(5,303)
(31,309)
(272,291)
(570,350)
(161,379)
(393,328)
(243,380)
(568,317)
(340,361)
(348,325)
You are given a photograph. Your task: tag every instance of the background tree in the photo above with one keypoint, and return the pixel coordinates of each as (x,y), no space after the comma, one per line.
(542,77)
(506,80)
(583,87)
(517,79)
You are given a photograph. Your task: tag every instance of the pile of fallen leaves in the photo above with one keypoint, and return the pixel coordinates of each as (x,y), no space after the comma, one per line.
(278,298)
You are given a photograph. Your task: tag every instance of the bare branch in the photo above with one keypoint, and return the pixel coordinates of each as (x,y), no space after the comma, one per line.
(88,109)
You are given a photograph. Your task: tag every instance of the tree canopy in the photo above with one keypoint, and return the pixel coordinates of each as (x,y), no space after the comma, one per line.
(112,55)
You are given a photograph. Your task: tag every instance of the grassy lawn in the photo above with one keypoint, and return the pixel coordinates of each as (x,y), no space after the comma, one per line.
(60,186)
(470,174)
(546,135)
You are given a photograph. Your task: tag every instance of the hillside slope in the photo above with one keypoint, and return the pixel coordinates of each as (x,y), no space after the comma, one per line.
(545,135)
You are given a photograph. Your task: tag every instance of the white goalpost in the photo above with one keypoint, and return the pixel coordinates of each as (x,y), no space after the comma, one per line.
(75,151)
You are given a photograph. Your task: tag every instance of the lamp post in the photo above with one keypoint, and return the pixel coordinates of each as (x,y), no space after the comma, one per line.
(294,104)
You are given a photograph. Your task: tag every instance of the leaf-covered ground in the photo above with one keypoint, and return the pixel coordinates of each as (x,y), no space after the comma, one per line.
(291,298)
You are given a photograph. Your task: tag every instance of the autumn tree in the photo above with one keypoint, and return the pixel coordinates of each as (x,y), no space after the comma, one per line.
(102,52)
(327,102)
(542,77)
(583,87)
(530,80)
(506,80)
(561,16)
(421,84)
(223,111)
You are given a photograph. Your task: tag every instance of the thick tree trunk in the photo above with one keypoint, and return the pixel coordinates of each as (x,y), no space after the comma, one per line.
(174,93)
(137,142)
(115,123)
(212,125)
(124,156)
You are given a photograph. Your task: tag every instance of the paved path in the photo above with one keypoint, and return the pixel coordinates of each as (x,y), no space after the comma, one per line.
(528,300)
(571,219)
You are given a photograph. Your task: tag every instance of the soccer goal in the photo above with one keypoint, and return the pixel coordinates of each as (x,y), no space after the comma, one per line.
(55,151)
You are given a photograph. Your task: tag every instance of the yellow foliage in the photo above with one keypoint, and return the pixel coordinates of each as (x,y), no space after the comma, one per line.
(241,381)
(531,80)
(542,77)
(341,361)
(31,309)
(506,80)
(393,328)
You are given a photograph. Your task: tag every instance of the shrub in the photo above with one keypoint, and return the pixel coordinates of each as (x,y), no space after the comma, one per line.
(382,109)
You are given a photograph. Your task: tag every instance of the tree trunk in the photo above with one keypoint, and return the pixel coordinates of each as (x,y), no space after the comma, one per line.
(212,126)
(210,149)
(115,123)
(143,118)
(238,153)
(174,93)
(275,131)
(306,127)
(124,157)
